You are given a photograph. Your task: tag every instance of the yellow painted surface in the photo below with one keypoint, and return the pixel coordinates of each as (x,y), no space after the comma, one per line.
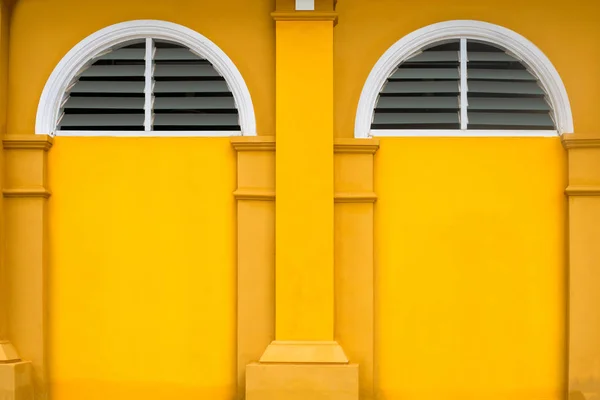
(304,181)
(564,30)
(4,20)
(142,269)
(470,252)
(470,268)
(42,32)
(584,357)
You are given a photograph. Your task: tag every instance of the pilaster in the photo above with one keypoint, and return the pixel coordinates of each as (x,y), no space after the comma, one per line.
(583,192)
(255,195)
(15,374)
(354,255)
(304,360)
(26,196)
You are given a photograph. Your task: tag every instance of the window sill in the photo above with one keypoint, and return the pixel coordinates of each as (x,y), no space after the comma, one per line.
(141,134)
(461,133)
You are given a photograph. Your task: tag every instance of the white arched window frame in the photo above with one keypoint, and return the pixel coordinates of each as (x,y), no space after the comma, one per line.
(99,42)
(510,41)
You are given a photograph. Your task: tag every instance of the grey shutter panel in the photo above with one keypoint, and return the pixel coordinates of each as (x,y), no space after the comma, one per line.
(109,94)
(502,93)
(423,93)
(190,95)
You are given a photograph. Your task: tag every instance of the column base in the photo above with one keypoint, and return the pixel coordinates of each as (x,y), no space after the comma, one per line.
(288,351)
(8,352)
(291,381)
(15,381)
(301,370)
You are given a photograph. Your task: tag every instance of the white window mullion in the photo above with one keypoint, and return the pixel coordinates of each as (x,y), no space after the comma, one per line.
(149,85)
(464,102)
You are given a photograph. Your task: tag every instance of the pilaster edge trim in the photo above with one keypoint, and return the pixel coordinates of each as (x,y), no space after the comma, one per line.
(349,197)
(356,146)
(29,192)
(305,16)
(590,191)
(27,142)
(254,194)
(580,143)
(253,143)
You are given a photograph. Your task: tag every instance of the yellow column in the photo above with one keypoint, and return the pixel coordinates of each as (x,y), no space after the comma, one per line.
(584,258)
(304,361)
(15,374)
(304,180)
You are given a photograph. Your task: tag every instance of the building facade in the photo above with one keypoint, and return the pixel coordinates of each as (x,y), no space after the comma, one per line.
(300,199)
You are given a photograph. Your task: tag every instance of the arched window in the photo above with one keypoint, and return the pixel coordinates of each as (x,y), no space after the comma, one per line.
(463,78)
(146,78)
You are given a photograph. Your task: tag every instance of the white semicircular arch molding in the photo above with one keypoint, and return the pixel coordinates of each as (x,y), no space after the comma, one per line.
(106,38)
(509,40)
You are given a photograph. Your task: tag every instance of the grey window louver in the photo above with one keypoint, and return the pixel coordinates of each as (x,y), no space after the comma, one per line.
(173,90)
(423,93)
(462,84)
(502,93)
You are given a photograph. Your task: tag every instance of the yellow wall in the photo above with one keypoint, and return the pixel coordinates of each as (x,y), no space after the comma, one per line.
(142,253)
(470,243)
(470,233)
(566,31)
(142,268)
(470,268)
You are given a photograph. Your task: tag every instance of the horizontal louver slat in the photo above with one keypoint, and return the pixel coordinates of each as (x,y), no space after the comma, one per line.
(106,102)
(198,103)
(434,56)
(415,118)
(500,74)
(108,120)
(175,54)
(196,119)
(483,103)
(426,73)
(528,88)
(508,119)
(161,71)
(124,54)
(98,71)
(391,102)
(108,87)
(491,56)
(191,87)
(421,87)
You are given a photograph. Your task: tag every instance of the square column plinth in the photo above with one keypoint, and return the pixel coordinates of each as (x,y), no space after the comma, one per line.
(290,381)
(15,381)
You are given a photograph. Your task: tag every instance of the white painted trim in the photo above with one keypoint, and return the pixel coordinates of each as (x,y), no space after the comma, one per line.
(104,39)
(464,101)
(305,5)
(459,133)
(142,134)
(148,87)
(511,41)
